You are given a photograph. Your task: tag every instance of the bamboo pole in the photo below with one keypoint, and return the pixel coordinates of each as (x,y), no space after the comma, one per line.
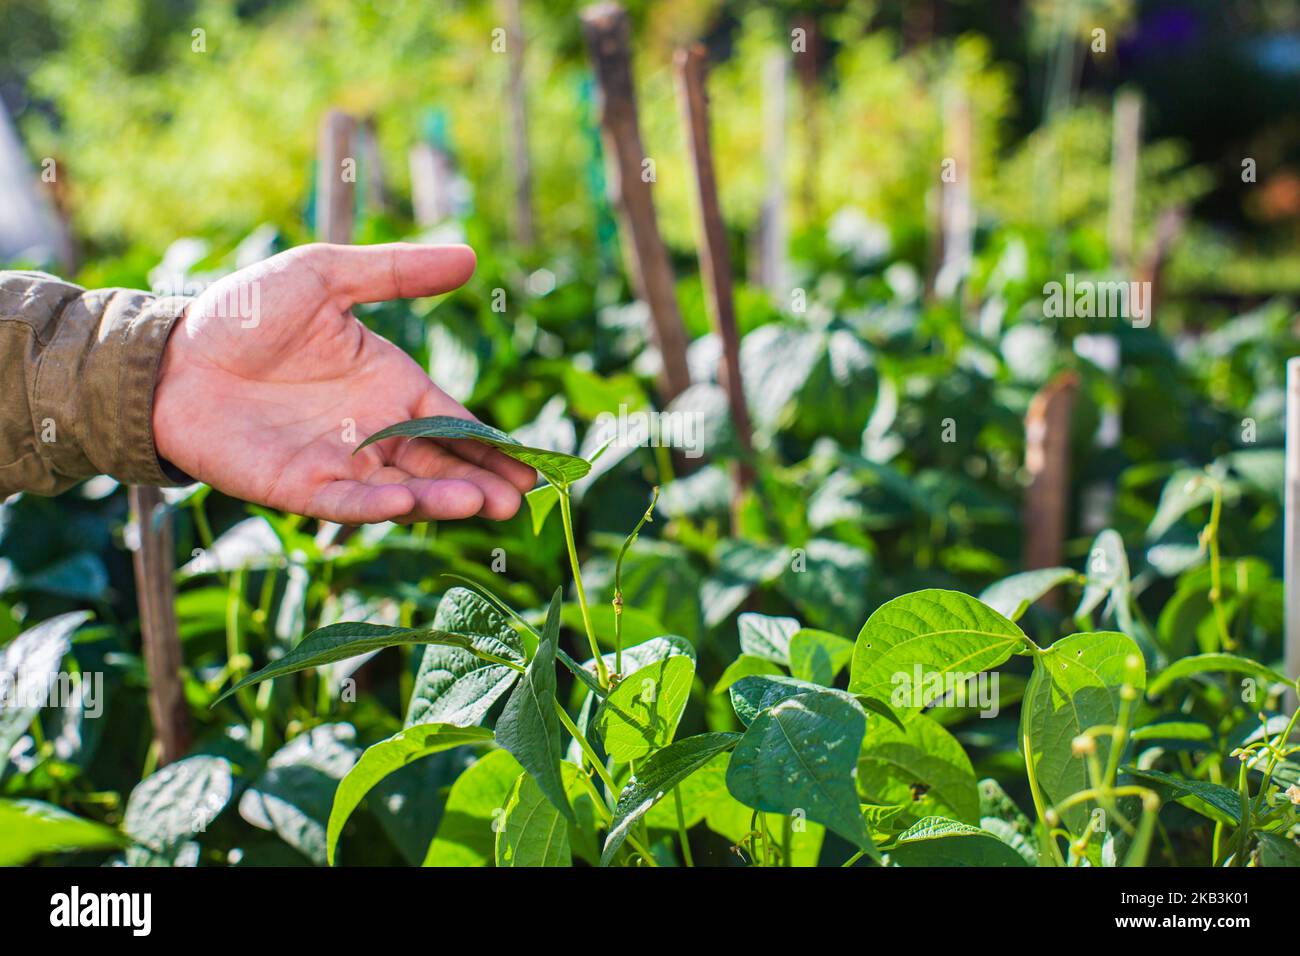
(771,229)
(806,69)
(1292,547)
(715,260)
(516,94)
(1126,141)
(376,191)
(335,187)
(956,210)
(153,560)
(606,29)
(1047,461)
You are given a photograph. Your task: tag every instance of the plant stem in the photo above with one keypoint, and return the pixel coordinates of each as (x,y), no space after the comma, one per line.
(618,581)
(1216,591)
(573,730)
(681,827)
(602,672)
(1037,795)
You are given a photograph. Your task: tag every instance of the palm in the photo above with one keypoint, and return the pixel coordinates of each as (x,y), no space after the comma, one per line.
(269,383)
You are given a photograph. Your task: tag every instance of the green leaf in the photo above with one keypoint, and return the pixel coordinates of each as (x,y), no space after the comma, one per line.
(799,756)
(1224,800)
(641,714)
(1010,596)
(936,841)
(455,685)
(178,801)
(340,641)
(529,727)
(819,656)
(1204,663)
(32,828)
(1107,573)
(1075,686)
(922,767)
(26,665)
(466,834)
(293,797)
(744,666)
(386,757)
(556,467)
(752,695)
(656,777)
(1186,488)
(1277,850)
(541,501)
(532,832)
(941,632)
(767,637)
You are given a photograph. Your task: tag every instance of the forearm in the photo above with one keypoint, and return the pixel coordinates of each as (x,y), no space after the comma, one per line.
(77,375)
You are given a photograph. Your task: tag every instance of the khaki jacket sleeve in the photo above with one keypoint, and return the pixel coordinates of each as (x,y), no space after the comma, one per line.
(77,374)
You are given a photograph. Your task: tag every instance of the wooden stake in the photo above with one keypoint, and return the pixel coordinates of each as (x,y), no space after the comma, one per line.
(154,561)
(376,191)
(1126,138)
(517,96)
(806,69)
(771,226)
(715,260)
(956,211)
(335,184)
(606,29)
(1047,460)
(1292,548)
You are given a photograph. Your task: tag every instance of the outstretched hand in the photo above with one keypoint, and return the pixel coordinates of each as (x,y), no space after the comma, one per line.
(269,383)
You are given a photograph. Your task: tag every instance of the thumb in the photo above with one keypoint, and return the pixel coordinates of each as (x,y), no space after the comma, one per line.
(392,270)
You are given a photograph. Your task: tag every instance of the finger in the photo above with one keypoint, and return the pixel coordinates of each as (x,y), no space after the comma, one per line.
(355,502)
(422,457)
(443,499)
(392,270)
(438,402)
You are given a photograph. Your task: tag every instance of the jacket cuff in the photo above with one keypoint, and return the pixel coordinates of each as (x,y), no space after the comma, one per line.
(99,375)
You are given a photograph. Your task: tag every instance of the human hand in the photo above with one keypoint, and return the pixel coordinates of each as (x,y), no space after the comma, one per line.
(268,383)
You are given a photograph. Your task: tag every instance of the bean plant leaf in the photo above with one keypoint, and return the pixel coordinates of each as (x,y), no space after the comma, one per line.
(661,772)
(641,714)
(768,637)
(467,832)
(178,801)
(922,767)
(1224,803)
(1207,663)
(746,665)
(752,695)
(541,502)
(455,685)
(26,665)
(340,641)
(1277,850)
(556,467)
(818,656)
(1076,685)
(529,727)
(1107,573)
(1185,489)
(386,757)
(1011,596)
(935,633)
(798,757)
(32,828)
(531,832)
(936,841)
(293,797)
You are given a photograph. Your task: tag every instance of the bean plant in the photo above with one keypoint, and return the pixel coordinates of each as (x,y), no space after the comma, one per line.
(860,771)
